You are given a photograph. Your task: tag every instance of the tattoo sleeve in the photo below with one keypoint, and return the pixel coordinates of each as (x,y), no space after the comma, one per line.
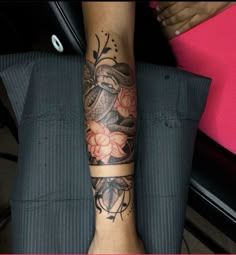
(110,105)
(110,117)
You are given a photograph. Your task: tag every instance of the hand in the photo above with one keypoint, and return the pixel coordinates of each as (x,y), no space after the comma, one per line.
(182,16)
(116,244)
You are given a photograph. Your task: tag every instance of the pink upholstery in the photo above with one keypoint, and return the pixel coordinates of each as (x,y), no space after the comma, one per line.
(209,49)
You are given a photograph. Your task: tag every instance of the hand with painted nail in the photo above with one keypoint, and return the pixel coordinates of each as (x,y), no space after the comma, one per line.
(178,17)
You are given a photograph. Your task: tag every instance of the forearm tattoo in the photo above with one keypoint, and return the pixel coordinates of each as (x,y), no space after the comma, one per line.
(110,106)
(113,195)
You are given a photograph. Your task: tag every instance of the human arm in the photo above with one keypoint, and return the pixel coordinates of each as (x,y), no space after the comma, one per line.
(178,17)
(110,119)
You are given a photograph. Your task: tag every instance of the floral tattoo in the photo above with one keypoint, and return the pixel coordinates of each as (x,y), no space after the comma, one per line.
(113,195)
(110,106)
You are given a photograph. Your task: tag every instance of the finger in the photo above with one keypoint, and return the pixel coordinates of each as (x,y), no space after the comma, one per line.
(193,21)
(171,11)
(163,5)
(181,16)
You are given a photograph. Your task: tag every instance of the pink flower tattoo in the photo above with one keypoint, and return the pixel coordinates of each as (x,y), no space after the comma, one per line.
(102,144)
(126,103)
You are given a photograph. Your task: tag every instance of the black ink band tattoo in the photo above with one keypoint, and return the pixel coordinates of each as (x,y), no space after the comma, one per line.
(110,107)
(113,195)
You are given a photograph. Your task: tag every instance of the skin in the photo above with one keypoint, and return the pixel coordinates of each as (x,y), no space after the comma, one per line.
(179,17)
(110,124)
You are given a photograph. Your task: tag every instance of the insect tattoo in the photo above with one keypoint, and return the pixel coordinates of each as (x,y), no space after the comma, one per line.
(113,195)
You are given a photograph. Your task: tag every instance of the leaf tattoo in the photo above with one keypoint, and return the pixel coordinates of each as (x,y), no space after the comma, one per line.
(95,55)
(110,196)
(105,50)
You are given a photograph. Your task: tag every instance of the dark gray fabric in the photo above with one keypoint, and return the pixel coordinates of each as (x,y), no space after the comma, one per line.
(52,206)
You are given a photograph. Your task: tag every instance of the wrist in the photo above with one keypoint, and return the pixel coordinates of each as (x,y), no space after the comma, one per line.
(116,231)
(117,228)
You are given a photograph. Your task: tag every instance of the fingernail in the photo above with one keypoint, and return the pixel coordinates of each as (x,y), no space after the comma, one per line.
(159,18)
(158,8)
(164,23)
(177,32)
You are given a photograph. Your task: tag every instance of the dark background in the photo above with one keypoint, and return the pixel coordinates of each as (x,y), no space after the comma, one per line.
(28,26)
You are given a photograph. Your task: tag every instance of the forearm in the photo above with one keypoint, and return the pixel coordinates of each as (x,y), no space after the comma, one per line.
(110,115)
